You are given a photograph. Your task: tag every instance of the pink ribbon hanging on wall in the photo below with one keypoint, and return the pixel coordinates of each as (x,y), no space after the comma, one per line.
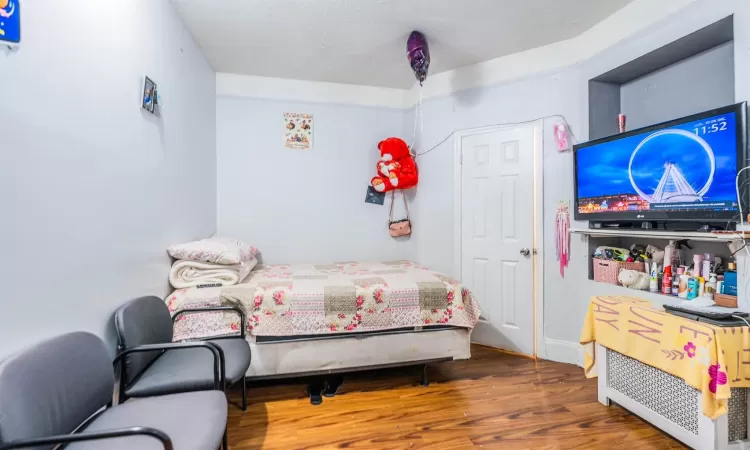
(562,235)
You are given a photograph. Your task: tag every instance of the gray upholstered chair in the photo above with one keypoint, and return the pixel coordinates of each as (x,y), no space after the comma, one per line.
(60,392)
(145,321)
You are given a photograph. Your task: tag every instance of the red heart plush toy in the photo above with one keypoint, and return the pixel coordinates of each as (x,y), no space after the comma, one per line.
(396,167)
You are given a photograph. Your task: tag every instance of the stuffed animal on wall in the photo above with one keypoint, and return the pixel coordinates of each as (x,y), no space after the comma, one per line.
(633,279)
(396,167)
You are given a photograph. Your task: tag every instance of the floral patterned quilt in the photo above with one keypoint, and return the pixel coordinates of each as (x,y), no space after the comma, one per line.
(288,300)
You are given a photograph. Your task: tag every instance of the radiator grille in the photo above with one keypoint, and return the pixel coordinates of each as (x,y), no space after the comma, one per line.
(738,414)
(663,393)
(669,396)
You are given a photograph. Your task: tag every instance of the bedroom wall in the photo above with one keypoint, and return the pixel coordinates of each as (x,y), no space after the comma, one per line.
(697,84)
(93,189)
(304,206)
(536,97)
(526,100)
(557,91)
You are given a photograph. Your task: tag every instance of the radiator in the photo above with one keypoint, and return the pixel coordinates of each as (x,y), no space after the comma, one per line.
(667,401)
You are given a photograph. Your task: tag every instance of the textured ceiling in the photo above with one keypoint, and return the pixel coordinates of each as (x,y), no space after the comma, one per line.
(364,41)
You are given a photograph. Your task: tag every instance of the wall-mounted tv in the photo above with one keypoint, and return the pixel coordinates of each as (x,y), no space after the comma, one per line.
(683,170)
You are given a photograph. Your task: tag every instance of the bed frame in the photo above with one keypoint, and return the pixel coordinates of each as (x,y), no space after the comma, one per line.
(327,354)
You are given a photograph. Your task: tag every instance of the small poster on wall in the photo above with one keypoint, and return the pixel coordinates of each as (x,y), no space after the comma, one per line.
(298,131)
(150,98)
(375,197)
(10,22)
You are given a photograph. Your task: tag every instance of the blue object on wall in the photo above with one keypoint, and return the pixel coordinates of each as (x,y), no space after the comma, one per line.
(10,21)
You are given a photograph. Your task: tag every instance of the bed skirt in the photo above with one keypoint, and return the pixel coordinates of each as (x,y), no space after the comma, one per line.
(352,352)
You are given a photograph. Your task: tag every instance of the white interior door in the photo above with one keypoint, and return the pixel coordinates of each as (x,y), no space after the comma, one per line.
(497,234)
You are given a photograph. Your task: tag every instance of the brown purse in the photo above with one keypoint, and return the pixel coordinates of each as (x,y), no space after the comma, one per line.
(402,227)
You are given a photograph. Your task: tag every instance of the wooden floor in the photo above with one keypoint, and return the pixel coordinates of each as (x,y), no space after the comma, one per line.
(493,401)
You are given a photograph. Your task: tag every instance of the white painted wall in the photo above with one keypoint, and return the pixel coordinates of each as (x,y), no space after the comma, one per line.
(561,91)
(305,206)
(234,85)
(92,188)
(526,100)
(700,83)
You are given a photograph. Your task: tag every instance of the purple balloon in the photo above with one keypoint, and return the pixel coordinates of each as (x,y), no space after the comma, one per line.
(418,53)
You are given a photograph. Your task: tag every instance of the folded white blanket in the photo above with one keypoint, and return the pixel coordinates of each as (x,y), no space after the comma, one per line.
(185,274)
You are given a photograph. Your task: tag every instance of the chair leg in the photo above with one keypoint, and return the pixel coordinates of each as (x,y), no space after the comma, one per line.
(224,443)
(244,393)
(425,379)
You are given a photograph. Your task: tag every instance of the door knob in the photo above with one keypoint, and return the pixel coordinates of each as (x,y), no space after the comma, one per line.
(525,251)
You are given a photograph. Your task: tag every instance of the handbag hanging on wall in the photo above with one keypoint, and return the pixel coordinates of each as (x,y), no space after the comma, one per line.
(401,227)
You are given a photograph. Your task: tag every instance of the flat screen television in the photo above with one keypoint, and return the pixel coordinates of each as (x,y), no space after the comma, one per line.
(683,170)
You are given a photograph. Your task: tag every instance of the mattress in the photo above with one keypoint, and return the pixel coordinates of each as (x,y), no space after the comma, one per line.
(339,298)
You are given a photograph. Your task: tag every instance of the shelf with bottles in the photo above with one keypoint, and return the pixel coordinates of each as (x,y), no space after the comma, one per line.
(626,253)
(689,283)
(686,251)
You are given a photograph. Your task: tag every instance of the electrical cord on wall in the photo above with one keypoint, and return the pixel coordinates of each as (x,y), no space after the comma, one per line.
(417,118)
(742,216)
(738,187)
(739,199)
(554,116)
(739,250)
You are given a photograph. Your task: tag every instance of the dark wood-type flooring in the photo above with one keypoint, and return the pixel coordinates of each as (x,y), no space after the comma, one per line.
(493,401)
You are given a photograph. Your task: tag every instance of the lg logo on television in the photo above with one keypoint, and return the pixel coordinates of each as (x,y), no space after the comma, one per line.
(640,216)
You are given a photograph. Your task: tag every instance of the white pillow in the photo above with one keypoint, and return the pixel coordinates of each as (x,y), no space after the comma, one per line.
(216,250)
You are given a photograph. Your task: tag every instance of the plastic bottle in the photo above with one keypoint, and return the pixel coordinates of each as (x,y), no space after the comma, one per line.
(701,286)
(669,251)
(683,287)
(710,289)
(697,263)
(666,282)
(692,290)
(708,261)
(676,281)
(653,285)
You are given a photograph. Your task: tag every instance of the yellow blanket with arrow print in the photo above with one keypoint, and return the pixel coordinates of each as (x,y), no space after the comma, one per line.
(709,358)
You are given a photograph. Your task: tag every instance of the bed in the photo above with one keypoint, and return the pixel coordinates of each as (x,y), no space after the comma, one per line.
(325,318)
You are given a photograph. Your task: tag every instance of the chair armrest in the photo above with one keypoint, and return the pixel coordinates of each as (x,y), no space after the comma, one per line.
(166,442)
(243,317)
(218,353)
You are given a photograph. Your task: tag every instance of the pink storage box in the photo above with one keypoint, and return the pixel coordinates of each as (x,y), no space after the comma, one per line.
(606,271)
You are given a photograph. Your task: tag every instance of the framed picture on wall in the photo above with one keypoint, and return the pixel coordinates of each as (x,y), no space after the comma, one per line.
(298,131)
(150,96)
(10,22)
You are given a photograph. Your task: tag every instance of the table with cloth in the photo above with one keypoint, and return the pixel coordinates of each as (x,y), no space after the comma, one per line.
(709,358)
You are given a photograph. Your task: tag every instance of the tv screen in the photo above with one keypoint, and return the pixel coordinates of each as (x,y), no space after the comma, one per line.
(681,170)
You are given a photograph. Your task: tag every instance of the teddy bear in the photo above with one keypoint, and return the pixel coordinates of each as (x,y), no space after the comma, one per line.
(633,279)
(396,167)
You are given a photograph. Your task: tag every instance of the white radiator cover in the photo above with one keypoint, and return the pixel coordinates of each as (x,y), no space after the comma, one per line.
(670,404)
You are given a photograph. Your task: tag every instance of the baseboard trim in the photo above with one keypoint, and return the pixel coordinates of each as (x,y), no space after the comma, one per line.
(563,351)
